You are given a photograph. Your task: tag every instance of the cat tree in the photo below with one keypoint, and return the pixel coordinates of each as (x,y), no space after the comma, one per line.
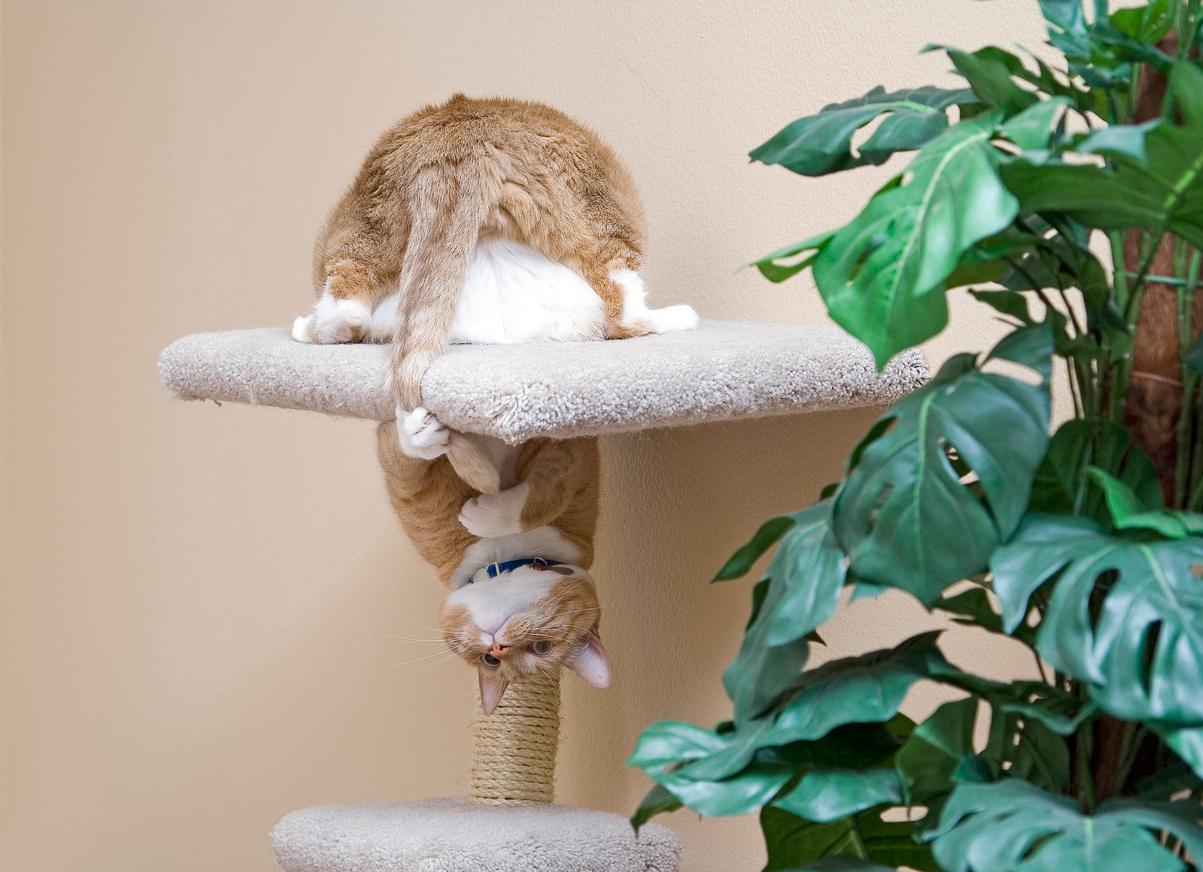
(723,371)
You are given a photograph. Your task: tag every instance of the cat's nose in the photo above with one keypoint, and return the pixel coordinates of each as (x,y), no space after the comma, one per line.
(498,650)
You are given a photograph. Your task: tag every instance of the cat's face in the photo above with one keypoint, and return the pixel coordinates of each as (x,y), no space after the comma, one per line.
(524,623)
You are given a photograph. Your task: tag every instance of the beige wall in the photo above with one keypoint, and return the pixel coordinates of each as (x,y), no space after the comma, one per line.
(197,602)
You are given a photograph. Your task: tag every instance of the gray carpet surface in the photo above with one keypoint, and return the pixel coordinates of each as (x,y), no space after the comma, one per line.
(724,370)
(452,835)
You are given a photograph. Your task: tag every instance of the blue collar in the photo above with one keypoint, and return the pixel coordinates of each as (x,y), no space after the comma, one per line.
(496,569)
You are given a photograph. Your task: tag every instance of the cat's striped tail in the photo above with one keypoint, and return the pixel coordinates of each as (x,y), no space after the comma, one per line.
(448,206)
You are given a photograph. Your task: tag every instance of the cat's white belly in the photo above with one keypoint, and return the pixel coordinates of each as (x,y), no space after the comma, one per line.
(513,294)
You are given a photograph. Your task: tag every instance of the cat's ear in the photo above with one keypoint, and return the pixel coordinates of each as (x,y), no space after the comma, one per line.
(492,687)
(591,662)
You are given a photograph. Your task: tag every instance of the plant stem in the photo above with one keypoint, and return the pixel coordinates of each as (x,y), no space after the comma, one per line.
(1186,415)
(1040,667)
(1129,746)
(1188,28)
(1131,308)
(1083,757)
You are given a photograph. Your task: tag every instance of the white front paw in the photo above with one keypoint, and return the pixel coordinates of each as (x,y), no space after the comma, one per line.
(673,319)
(490,516)
(421,435)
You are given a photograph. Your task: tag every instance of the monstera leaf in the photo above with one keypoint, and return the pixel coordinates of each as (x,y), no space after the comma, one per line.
(934,751)
(829,794)
(1161,193)
(1011,826)
(991,81)
(882,275)
(865,689)
(665,751)
(1067,28)
(804,582)
(1061,486)
(833,717)
(794,843)
(730,772)
(1141,649)
(841,864)
(1129,512)
(822,143)
(904,515)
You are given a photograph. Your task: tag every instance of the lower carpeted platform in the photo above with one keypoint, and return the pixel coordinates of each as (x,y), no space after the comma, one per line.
(453,835)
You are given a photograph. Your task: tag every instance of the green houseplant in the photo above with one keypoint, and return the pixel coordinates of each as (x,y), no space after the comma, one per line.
(1067,196)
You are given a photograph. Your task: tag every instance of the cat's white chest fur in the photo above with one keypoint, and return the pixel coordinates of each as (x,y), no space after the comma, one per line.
(513,294)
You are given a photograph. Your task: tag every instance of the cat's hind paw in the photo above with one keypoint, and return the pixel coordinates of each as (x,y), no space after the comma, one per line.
(421,435)
(337,320)
(302,328)
(491,516)
(672,319)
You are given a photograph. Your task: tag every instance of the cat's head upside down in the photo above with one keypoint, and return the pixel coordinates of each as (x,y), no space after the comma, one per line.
(521,601)
(528,621)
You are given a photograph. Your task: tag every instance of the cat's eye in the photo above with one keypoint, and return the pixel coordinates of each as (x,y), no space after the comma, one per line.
(541,647)
(491,661)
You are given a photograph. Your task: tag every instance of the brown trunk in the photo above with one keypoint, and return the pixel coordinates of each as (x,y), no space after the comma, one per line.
(1152,408)
(1154,400)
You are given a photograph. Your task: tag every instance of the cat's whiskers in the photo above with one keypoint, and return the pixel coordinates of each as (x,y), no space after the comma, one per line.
(414,640)
(435,656)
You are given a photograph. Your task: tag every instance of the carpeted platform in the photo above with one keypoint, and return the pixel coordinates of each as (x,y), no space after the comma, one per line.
(452,835)
(724,370)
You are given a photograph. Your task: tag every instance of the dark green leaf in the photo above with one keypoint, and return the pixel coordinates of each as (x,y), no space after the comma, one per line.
(827,794)
(666,743)
(1067,29)
(1012,825)
(841,864)
(882,275)
(1124,615)
(1059,711)
(1119,51)
(1034,753)
(793,842)
(1080,443)
(657,801)
(766,537)
(1033,127)
(935,749)
(1187,743)
(1010,303)
(1043,78)
(805,578)
(811,567)
(991,82)
(863,689)
(665,746)
(1162,194)
(1118,140)
(1129,513)
(1194,355)
(1165,783)
(866,688)
(1147,24)
(972,608)
(822,143)
(904,516)
(774,271)
(987,260)
(741,769)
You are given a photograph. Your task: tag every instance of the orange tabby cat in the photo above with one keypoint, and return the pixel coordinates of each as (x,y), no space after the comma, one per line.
(482,221)
(521,601)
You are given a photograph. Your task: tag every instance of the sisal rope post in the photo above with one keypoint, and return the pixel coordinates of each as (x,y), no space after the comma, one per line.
(514,752)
